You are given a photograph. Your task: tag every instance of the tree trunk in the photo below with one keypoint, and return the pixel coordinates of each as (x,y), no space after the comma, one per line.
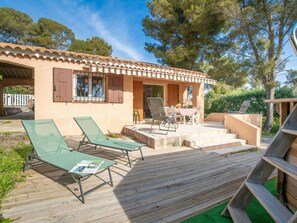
(269,109)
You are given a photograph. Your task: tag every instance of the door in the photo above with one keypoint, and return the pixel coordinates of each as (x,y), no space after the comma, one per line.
(138,97)
(173,94)
(151,91)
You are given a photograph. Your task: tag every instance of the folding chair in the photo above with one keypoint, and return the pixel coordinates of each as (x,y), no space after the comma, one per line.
(93,135)
(49,146)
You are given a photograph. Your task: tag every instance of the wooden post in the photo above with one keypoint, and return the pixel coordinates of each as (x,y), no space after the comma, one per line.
(1,99)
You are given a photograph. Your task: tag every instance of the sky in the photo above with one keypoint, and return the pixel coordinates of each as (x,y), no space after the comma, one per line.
(118,22)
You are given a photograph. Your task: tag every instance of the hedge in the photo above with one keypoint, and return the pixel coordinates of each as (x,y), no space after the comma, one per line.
(233,100)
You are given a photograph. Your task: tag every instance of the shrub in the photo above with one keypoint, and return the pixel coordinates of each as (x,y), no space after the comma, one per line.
(233,100)
(11,165)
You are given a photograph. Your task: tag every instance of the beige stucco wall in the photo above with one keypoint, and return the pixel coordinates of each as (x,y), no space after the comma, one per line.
(110,117)
(244,129)
(247,126)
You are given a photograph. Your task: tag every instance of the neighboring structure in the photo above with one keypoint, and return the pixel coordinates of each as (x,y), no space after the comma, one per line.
(68,84)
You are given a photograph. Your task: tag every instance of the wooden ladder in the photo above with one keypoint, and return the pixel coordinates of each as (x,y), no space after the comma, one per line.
(253,186)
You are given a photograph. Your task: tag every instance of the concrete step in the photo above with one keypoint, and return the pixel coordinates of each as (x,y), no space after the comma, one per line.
(214,137)
(208,146)
(230,150)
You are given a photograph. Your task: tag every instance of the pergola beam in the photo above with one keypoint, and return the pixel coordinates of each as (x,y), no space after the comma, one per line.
(14,81)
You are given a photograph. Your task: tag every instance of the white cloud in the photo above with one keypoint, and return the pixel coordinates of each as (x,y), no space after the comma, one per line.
(117,43)
(87,21)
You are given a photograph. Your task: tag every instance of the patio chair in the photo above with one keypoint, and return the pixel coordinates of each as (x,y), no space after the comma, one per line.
(243,108)
(158,112)
(194,119)
(49,146)
(93,135)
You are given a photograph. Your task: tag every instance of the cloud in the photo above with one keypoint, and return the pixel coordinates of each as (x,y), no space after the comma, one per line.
(87,21)
(117,43)
(107,19)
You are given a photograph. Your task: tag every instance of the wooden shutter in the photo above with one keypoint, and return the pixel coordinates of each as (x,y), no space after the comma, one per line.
(62,85)
(138,97)
(173,94)
(115,88)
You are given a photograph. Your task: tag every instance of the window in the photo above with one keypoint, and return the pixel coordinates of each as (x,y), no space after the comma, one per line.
(69,85)
(89,86)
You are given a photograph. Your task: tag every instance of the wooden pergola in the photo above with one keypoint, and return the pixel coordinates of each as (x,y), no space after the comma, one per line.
(14,75)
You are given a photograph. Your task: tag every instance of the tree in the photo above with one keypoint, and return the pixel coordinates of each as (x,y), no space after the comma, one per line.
(228,71)
(245,35)
(51,34)
(184,31)
(14,25)
(187,35)
(95,45)
(292,80)
(257,29)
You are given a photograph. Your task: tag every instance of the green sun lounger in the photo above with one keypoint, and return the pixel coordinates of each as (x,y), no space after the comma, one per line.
(93,135)
(49,146)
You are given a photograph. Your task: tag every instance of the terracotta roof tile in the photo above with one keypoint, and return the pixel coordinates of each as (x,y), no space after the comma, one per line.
(82,56)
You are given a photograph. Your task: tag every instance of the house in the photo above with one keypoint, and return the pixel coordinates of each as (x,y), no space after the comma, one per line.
(68,84)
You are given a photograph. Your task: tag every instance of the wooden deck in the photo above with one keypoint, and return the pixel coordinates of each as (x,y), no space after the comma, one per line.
(168,186)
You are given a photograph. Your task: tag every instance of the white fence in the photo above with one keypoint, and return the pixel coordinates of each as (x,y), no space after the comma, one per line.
(17,100)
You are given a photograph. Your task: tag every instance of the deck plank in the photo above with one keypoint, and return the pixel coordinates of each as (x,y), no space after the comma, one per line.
(168,186)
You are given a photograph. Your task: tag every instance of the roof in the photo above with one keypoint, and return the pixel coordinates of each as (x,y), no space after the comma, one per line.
(107,64)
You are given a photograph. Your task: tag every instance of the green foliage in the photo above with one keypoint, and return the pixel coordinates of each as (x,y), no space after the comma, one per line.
(51,34)
(91,46)
(5,221)
(237,40)
(274,129)
(226,70)
(19,89)
(292,80)
(6,122)
(11,164)
(13,25)
(6,133)
(184,31)
(225,100)
(113,135)
(17,27)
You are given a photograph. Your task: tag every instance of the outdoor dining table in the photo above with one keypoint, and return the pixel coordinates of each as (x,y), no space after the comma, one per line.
(188,112)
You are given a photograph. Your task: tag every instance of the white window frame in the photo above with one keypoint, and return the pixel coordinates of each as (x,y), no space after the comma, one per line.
(90,97)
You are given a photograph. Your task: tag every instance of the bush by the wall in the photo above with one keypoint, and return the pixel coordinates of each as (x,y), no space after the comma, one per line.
(233,100)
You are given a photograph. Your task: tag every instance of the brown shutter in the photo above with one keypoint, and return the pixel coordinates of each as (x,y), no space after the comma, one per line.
(115,88)
(62,85)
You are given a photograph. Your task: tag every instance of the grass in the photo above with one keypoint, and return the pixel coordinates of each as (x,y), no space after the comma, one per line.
(6,133)
(6,122)
(247,150)
(11,166)
(255,211)
(274,129)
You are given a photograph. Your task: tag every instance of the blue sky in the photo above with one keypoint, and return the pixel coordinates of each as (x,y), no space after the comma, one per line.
(118,22)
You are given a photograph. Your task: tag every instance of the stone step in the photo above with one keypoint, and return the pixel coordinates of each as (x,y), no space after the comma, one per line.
(213,137)
(208,146)
(230,150)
